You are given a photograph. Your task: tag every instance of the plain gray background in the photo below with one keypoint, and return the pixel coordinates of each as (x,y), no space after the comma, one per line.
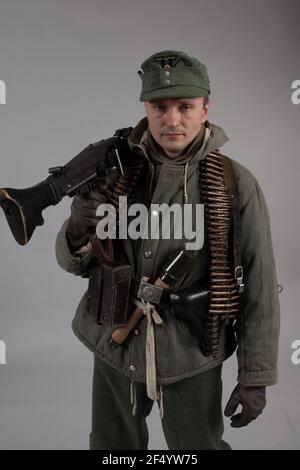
(70,68)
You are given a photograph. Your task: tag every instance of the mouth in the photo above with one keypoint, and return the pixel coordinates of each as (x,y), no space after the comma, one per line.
(170,134)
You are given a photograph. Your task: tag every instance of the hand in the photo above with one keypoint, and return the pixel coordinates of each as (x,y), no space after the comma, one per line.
(83,216)
(253,401)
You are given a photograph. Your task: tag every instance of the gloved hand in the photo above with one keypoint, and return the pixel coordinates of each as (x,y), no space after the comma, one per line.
(253,401)
(83,217)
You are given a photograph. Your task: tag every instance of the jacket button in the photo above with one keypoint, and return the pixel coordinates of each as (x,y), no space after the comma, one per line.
(132,367)
(136,332)
(148,254)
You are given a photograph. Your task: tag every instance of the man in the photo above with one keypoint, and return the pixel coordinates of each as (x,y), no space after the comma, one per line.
(173,141)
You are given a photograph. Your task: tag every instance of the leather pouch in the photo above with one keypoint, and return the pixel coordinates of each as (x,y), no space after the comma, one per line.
(190,304)
(109,294)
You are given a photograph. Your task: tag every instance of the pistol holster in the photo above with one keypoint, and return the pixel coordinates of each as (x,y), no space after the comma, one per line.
(190,304)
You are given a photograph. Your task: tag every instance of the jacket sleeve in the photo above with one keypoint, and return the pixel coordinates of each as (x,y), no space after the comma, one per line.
(75,263)
(258,323)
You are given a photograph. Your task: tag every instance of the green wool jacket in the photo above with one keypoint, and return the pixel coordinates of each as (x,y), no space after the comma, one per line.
(177,352)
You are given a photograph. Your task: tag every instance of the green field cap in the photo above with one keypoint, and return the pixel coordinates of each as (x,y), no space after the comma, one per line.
(173,74)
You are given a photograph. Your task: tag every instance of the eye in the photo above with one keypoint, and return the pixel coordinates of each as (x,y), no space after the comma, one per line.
(185,107)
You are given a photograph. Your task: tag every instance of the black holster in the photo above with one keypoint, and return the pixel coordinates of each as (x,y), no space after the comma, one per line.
(109,294)
(190,304)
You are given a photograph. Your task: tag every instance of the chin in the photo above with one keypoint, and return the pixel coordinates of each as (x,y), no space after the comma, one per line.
(174,149)
(173,153)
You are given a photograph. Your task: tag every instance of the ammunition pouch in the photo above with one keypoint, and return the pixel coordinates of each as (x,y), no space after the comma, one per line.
(109,294)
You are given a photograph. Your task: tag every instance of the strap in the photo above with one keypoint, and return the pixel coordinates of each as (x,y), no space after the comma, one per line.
(231,185)
(152,318)
(103,254)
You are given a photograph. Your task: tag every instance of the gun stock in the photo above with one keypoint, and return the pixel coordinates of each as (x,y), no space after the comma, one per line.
(23,209)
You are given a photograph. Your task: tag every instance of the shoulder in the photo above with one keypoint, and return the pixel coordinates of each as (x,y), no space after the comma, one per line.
(245,178)
(246,181)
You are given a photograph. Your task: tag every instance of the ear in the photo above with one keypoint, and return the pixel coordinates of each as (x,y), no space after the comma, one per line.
(206,105)
(205,112)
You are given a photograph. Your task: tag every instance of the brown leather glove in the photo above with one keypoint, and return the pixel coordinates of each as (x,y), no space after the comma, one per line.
(253,401)
(83,217)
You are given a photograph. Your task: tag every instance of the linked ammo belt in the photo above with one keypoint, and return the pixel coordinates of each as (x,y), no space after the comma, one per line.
(218,191)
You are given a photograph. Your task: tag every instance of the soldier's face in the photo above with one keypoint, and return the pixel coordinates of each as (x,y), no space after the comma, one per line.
(175,122)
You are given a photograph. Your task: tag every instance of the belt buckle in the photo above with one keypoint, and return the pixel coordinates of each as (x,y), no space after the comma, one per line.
(149,292)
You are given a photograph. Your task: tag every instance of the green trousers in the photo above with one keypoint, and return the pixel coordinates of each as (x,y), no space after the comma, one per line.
(192,417)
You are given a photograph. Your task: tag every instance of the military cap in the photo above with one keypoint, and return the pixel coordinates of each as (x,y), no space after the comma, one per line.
(173,74)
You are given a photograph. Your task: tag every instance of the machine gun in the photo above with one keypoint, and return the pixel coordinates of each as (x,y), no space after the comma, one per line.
(23,207)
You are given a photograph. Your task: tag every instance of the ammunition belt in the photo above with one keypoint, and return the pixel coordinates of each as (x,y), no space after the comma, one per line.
(127,183)
(225,297)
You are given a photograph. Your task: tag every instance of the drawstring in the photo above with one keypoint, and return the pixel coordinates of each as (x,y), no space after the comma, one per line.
(185,183)
(205,139)
(161,403)
(133,400)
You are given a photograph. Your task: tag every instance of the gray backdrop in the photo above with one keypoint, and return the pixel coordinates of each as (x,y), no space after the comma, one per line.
(70,68)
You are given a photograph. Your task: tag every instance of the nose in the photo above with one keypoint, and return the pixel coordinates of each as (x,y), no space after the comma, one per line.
(172,117)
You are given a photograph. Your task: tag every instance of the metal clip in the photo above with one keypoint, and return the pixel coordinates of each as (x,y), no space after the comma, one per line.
(238,275)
